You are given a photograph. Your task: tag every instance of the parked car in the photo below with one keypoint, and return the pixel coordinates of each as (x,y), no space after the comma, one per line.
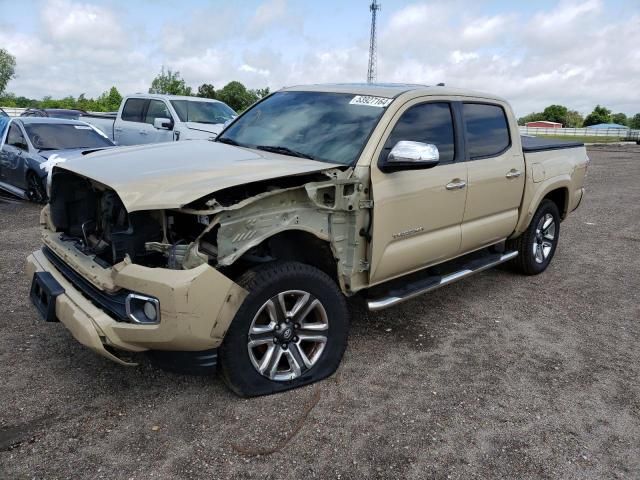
(27,142)
(148,118)
(3,113)
(241,252)
(64,113)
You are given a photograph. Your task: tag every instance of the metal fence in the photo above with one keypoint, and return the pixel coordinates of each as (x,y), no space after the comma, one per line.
(13,111)
(623,133)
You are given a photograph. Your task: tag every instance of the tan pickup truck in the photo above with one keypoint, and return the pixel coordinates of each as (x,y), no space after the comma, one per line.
(239,253)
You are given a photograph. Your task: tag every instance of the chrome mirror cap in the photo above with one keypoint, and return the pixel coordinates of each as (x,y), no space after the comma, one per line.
(418,152)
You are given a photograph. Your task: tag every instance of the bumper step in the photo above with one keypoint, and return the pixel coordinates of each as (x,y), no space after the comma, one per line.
(427,282)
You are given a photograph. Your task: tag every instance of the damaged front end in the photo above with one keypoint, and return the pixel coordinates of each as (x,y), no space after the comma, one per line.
(229,230)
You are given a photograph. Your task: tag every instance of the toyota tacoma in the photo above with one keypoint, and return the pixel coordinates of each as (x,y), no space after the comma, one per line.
(239,254)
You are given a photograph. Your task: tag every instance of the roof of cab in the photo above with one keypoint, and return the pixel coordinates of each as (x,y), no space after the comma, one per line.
(172,97)
(390,90)
(33,120)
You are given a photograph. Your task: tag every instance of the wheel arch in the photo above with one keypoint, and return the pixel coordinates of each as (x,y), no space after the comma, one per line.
(556,189)
(298,244)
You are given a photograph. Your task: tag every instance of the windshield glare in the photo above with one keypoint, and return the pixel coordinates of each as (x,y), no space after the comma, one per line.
(50,136)
(203,112)
(324,126)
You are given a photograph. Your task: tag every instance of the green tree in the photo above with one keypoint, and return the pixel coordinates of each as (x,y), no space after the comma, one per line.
(620,119)
(109,101)
(236,95)
(206,90)
(7,68)
(599,115)
(555,113)
(573,119)
(170,83)
(634,122)
(261,92)
(532,117)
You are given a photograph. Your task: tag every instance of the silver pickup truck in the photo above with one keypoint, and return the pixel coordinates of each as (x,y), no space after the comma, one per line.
(148,118)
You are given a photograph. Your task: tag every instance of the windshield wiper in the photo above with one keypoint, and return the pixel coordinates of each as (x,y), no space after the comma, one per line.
(228,141)
(284,151)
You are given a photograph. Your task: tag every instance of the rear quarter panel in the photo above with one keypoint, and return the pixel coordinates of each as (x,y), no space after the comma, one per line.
(550,170)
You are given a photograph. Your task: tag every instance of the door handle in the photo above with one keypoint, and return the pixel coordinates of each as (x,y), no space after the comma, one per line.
(118,129)
(456,184)
(144,132)
(513,173)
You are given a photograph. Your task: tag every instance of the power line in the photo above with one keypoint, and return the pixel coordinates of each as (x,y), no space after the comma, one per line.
(373,49)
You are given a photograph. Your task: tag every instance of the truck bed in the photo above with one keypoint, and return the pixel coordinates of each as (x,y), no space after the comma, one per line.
(540,144)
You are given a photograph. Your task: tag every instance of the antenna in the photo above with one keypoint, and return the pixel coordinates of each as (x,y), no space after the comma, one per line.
(373,54)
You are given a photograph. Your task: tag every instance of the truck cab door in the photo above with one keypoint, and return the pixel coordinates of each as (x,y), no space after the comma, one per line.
(417,213)
(158,109)
(496,172)
(129,126)
(14,154)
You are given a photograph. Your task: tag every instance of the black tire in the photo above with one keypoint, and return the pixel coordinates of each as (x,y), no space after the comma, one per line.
(265,283)
(36,189)
(526,261)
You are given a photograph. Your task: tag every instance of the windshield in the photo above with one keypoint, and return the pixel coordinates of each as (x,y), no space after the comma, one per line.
(203,112)
(60,136)
(329,127)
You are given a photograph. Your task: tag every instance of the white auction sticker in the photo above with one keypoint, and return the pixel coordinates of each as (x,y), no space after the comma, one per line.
(370,101)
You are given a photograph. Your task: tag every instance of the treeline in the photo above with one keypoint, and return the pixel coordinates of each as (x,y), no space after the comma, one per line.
(234,94)
(571,118)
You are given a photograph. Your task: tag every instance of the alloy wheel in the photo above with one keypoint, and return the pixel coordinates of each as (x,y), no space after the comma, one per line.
(288,335)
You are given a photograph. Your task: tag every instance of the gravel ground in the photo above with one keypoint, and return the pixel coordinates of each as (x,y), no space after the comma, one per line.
(498,376)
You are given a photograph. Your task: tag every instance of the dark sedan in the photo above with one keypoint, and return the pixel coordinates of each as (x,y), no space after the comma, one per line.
(26,143)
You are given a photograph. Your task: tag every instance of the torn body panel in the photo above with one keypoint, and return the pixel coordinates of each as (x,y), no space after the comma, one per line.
(335,210)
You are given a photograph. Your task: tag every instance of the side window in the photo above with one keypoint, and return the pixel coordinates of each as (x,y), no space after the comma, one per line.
(133,110)
(487,130)
(157,109)
(426,123)
(15,138)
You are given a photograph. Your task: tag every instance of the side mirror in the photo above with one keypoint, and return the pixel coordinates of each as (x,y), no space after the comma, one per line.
(406,155)
(163,123)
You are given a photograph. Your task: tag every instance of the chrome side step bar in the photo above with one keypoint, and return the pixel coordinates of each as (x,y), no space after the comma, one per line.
(428,284)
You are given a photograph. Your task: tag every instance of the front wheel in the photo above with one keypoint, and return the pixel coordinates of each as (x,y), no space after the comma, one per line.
(35,188)
(537,245)
(290,331)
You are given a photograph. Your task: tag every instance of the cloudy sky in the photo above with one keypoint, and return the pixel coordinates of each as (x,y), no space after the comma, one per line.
(534,53)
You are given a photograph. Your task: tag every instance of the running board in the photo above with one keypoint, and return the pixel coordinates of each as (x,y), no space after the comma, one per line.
(427,284)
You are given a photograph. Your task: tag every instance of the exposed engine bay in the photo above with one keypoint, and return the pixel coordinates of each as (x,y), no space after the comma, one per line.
(230,229)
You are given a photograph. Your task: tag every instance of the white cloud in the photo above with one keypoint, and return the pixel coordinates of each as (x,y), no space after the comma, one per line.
(576,53)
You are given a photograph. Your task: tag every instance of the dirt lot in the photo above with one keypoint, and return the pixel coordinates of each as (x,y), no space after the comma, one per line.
(499,376)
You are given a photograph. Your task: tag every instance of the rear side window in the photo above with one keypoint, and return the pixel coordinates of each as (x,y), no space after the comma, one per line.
(133,110)
(487,130)
(426,123)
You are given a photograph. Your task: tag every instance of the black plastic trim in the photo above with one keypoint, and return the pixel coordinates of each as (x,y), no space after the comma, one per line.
(112,304)
(44,291)
(192,363)
(537,144)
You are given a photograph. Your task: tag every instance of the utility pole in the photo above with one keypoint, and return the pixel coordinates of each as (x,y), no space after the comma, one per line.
(373,53)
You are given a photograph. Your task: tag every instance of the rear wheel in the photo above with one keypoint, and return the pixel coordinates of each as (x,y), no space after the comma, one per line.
(290,331)
(35,188)
(537,245)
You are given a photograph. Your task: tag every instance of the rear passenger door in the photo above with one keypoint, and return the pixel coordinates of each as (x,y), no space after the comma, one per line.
(130,128)
(496,174)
